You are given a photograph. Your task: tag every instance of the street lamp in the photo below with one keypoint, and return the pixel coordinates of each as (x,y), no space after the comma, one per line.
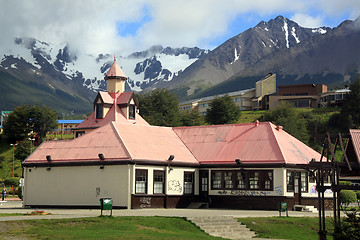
(13,145)
(31,144)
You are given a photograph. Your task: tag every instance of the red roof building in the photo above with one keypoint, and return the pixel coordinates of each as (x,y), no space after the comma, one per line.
(117,154)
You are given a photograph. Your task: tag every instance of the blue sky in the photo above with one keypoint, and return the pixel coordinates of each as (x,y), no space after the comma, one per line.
(124,26)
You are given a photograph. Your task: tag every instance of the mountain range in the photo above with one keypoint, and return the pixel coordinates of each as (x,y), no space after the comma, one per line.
(32,71)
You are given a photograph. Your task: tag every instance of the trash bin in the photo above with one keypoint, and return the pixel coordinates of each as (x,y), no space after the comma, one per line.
(106,204)
(283,208)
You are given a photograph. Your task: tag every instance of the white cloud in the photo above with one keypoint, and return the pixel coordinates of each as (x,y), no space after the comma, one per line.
(91,26)
(305,20)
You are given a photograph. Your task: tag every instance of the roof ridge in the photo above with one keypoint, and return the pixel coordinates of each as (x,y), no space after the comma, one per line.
(120,140)
(172,129)
(272,127)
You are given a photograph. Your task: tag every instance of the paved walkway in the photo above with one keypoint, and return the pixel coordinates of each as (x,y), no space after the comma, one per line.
(16,207)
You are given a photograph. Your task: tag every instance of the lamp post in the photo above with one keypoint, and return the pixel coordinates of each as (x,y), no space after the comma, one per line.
(31,144)
(13,145)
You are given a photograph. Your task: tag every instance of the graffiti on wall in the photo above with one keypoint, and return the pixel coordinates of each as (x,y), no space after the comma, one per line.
(313,190)
(246,193)
(279,190)
(145,202)
(174,185)
(97,191)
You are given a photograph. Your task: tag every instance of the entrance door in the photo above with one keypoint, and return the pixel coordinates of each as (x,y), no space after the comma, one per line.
(297,188)
(204,185)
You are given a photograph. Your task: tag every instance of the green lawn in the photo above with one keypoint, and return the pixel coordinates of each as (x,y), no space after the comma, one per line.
(106,228)
(297,228)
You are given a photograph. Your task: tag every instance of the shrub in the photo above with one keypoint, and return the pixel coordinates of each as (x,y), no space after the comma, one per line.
(12,181)
(19,192)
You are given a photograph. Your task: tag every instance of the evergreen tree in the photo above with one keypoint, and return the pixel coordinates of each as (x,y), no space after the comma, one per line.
(222,111)
(192,118)
(351,106)
(159,108)
(292,122)
(29,119)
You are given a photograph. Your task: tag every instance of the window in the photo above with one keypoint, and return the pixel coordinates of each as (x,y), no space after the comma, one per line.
(292,185)
(304,182)
(267,180)
(216,180)
(132,112)
(247,180)
(290,181)
(99,110)
(159,180)
(228,180)
(241,180)
(254,180)
(79,133)
(188,182)
(141,181)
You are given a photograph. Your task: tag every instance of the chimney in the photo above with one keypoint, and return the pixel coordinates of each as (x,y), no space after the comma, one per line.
(279,128)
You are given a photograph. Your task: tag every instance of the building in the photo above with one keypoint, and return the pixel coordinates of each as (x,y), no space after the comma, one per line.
(67,125)
(117,154)
(2,119)
(333,98)
(301,96)
(247,100)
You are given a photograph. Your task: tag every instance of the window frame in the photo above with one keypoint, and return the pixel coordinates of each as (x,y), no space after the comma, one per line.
(163,181)
(132,111)
(293,173)
(138,173)
(192,174)
(99,106)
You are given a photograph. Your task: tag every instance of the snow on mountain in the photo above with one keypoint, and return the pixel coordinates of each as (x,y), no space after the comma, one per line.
(162,63)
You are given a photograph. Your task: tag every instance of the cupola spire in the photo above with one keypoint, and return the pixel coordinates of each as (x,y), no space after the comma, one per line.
(115,78)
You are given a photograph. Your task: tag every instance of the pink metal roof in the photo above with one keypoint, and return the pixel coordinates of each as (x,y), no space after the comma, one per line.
(84,148)
(355,138)
(125,98)
(117,141)
(247,142)
(115,71)
(106,97)
(153,143)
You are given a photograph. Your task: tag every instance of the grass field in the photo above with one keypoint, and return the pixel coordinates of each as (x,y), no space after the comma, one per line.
(297,228)
(104,228)
(151,228)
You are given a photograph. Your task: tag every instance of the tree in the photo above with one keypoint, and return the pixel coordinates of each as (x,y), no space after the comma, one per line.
(192,118)
(287,116)
(223,110)
(159,108)
(351,106)
(29,119)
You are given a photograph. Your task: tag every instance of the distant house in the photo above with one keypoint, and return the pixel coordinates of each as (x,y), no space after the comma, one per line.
(67,125)
(247,100)
(301,96)
(117,154)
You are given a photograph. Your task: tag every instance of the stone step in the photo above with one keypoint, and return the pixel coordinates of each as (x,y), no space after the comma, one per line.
(223,226)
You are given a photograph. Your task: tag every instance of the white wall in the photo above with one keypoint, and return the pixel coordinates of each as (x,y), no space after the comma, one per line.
(77,185)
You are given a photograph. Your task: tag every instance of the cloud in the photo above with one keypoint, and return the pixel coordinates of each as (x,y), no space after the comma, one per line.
(308,21)
(105,26)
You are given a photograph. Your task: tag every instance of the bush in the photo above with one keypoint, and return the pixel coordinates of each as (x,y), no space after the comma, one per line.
(358,196)
(12,181)
(347,183)
(19,192)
